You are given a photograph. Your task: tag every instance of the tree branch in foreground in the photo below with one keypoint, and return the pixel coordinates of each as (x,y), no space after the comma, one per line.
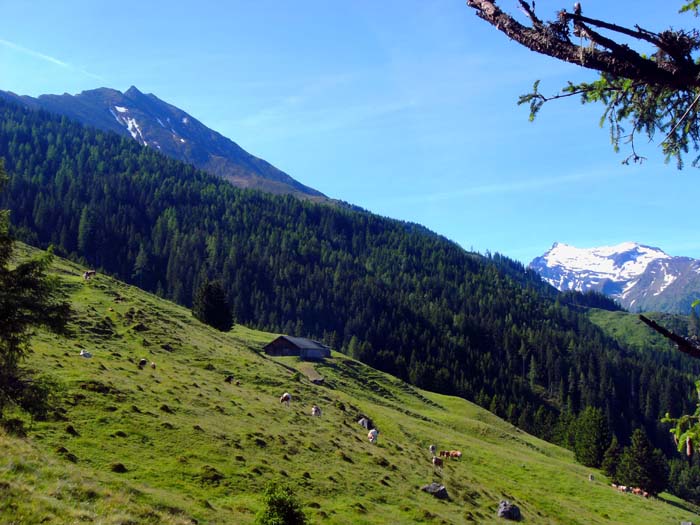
(684,345)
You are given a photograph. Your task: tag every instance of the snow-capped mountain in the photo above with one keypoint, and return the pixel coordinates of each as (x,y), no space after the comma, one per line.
(639,277)
(162,126)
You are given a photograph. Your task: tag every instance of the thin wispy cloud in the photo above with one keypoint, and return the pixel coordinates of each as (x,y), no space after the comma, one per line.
(46,58)
(518,186)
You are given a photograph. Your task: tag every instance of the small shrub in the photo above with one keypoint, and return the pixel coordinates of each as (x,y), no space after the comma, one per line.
(280,507)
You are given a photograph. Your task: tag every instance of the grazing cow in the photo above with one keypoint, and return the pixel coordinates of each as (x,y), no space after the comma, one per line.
(286,398)
(88,274)
(85,354)
(372,435)
(590,477)
(437,463)
(645,494)
(153,365)
(455,454)
(143,363)
(444,453)
(228,379)
(315,411)
(432,449)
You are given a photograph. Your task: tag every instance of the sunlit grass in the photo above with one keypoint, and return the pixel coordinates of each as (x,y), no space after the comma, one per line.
(176,443)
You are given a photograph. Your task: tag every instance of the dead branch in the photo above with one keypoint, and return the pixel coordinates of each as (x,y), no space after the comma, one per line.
(684,345)
(673,70)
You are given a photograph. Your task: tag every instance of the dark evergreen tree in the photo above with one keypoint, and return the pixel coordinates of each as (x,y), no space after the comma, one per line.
(611,459)
(28,298)
(694,324)
(211,306)
(642,466)
(684,480)
(591,437)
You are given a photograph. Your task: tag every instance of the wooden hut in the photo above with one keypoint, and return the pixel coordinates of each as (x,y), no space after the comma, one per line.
(286,345)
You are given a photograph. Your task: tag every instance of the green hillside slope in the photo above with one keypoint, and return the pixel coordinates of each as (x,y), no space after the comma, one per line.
(177,443)
(392,294)
(627,329)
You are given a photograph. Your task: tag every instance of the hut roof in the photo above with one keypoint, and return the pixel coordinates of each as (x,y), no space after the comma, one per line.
(301,342)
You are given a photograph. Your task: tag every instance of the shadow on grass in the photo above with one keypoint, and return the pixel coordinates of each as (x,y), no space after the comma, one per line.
(683,505)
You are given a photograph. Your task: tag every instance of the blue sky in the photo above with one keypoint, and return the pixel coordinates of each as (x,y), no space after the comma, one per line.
(406,108)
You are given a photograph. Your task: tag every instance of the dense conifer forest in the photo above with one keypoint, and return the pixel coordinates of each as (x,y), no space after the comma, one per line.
(393,294)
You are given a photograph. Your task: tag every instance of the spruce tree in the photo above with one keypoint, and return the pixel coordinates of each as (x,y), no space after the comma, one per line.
(211,306)
(28,298)
(642,466)
(611,459)
(591,437)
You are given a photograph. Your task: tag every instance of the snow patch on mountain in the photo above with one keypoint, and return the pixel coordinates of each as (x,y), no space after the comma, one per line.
(121,109)
(668,279)
(636,275)
(620,262)
(135,131)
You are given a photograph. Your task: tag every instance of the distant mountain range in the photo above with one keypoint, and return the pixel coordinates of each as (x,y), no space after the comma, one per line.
(639,277)
(162,126)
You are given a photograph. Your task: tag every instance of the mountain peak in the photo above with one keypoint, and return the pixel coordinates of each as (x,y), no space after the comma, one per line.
(636,275)
(133,93)
(155,123)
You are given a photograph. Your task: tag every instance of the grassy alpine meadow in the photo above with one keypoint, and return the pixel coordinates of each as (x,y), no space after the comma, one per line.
(178,444)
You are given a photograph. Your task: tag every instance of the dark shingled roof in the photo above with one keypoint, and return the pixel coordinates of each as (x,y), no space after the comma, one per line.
(301,342)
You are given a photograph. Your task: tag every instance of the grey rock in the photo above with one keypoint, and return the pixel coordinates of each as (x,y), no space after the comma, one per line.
(437,490)
(508,510)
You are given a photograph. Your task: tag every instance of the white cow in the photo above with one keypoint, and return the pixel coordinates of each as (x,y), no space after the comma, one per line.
(286,398)
(372,435)
(85,354)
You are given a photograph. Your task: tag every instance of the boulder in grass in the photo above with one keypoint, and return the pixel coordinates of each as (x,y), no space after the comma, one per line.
(508,510)
(437,490)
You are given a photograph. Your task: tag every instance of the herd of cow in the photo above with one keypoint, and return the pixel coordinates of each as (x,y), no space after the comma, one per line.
(373,434)
(633,490)
(438,461)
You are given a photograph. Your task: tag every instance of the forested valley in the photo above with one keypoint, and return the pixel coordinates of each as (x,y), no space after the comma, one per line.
(393,294)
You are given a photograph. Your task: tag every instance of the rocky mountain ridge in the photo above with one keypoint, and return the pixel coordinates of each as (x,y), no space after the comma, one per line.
(159,125)
(639,277)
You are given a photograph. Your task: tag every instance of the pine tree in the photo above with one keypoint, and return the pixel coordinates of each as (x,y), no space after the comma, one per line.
(611,459)
(590,437)
(641,466)
(693,323)
(211,306)
(28,298)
